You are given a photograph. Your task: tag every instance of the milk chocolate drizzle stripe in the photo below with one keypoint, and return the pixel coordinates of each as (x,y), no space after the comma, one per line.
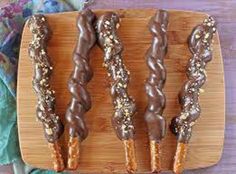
(82,73)
(45,111)
(124,105)
(200,45)
(154,84)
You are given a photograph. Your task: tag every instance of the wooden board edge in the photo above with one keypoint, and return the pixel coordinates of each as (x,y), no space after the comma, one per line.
(135,9)
(17,96)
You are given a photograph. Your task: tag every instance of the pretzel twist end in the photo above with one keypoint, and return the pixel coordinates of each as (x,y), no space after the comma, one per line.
(130,158)
(180,157)
(73,153)
(155,152)
(58,163)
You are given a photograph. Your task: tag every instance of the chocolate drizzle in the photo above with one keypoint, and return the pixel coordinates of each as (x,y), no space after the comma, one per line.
(81,75)
(45,111)
(124,105)
(200,45)
(157,76)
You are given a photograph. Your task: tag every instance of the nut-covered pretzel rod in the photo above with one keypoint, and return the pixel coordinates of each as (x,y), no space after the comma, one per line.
(45,111)
(124,105)
(154,84)
(82,73)
(200,45)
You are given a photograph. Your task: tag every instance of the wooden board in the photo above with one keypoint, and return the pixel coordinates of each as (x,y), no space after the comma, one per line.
(102,152)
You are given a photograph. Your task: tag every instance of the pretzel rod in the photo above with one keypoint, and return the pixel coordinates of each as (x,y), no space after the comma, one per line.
(200,45)
(73,153)
(82,73)
(180,156)
(45,111)
(154,84)
(124,105)
(130,155)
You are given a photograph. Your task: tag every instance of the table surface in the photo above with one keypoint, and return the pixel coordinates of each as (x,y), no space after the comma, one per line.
(224,12)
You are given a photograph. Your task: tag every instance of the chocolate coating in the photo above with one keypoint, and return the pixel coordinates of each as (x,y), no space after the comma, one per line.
(82,73)
(124,105)
(200,45)
(45,111)
(157,76)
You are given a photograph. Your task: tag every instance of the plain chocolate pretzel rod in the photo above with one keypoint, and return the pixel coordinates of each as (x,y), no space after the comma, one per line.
(52,125)
(154,84)
(124,105)
(200,45)
(82,73)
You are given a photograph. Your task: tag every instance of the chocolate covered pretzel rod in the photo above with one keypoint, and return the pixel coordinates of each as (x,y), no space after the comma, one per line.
(154,84)
(82,73)
(45,111)
(124,105)
(200,45)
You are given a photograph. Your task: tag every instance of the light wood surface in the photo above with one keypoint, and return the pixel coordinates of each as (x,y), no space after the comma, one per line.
(102,151)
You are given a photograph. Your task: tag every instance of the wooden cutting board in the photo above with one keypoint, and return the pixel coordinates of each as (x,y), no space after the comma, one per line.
(102,152)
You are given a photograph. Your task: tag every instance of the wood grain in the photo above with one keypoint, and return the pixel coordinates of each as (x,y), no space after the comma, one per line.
(102,151)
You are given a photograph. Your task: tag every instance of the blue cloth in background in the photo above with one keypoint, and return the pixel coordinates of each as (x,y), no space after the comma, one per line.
(12,18)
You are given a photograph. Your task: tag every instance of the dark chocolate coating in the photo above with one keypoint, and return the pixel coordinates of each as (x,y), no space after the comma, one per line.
(200,45)
(81,75)
(123,104)
(45,111)
(157,76)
